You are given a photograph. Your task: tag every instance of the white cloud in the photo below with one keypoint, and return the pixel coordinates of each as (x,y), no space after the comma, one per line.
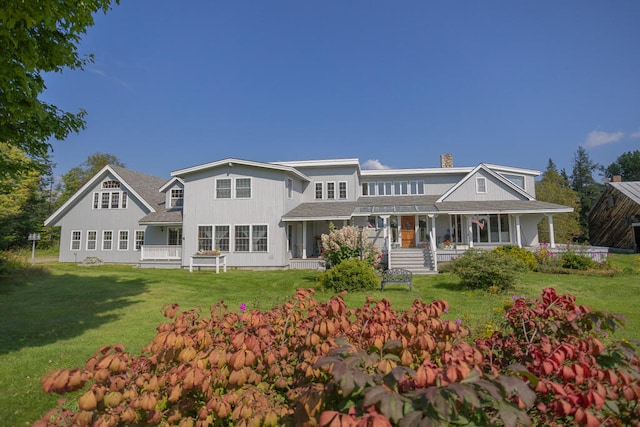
(635,134)
(374,164)
(597,138)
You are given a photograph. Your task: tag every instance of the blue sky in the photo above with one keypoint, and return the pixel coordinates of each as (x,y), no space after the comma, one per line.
(181,83)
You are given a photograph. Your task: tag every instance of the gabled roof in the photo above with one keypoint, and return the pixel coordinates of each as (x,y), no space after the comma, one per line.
(171,182)
(141,186)
(493,174)
(631,189)
(231,161)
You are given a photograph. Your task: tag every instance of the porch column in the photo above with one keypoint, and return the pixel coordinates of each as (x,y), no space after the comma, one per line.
(469,231)
(432,237)
(552,238)
(387,237)
(304,240)
(518,232)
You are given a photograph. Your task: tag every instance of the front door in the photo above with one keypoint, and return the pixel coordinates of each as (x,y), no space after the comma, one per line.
(408,231)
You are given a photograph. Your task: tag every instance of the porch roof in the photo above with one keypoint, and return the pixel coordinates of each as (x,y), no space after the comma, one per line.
(502,206)
(163,217)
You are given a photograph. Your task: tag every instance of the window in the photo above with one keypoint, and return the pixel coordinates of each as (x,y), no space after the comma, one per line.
(92,240)
(365,188)
(177,197)
(318,190)
(175,236)
(110,184)
(204,238)
(123,240)
(139,239)
(96,200)
(243,188)
(417,187)
(107,240)
(400,188)
(76,239)
(516,179)
(221,238)
(342,190)
(105,200)
(115,200)
(331,190)
(481,185)
(242,237)
(124,200)
(223,189)
(259,238)
(289,187)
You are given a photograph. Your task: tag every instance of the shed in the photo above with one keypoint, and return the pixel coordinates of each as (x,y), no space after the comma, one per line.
(614,220)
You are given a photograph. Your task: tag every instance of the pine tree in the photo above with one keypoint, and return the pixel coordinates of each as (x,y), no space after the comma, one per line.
(585,186)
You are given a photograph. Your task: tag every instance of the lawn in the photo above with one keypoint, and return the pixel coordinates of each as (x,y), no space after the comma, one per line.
(59,318)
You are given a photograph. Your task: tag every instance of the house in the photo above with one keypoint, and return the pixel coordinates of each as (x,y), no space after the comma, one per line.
(614,220)
(272,214)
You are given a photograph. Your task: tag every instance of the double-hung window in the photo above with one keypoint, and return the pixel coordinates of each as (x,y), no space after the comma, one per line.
(331,190)
(243,188)
(481,185)
(177,197)
(139,239)
(342,190)
(242,238)
(318,191)
(221,238)
(107,240)
(92,240)
(205,237)
(76,240)
(123,240)
(259,238)
(223,188)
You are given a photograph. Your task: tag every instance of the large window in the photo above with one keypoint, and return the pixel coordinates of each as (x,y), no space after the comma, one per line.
(205,238)
(243,188)
(242,237)
(110,200)
(76,240)
(92,240)
(221,238)
(259,238)
(177,197)
(107,240)
(490,228)
(123,240)
(139,239)
(223,188)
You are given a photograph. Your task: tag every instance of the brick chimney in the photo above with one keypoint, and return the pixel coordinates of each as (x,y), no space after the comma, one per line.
(616,178)
(446,160)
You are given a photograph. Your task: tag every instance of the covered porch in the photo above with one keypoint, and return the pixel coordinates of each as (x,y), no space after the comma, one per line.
(162,246)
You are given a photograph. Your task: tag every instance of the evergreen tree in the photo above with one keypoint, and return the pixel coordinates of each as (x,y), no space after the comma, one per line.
(554,188)
(585,186)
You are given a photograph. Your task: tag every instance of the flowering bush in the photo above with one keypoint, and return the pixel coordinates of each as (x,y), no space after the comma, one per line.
(349,242)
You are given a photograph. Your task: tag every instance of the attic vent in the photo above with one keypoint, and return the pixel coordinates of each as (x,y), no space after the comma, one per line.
(111,184)
(446,160)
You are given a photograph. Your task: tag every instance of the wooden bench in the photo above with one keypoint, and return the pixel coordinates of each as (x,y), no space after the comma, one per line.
(397,275)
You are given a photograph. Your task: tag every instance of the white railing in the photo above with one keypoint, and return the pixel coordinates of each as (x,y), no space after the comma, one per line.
(160,252)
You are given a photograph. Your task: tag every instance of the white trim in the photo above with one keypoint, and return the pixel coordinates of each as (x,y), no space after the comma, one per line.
(94,241)
(320,163)
(122,240)
(231,162)
(90,184)
(79,240)
(104,240)
(172,182)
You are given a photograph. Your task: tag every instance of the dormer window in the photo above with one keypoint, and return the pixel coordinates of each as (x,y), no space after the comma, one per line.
(177,198)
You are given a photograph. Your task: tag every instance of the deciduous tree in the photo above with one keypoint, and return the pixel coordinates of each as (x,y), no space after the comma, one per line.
(583,183)
(38,37)
(554,188)
(627,165)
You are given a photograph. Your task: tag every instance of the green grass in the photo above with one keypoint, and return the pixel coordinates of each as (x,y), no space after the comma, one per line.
(60,317)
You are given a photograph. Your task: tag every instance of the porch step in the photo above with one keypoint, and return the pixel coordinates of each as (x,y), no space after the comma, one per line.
(416,260)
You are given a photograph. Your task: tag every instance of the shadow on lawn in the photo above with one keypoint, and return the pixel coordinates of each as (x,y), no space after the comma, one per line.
(48,309)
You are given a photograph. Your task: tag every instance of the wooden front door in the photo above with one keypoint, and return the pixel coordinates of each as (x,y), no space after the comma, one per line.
(408,231)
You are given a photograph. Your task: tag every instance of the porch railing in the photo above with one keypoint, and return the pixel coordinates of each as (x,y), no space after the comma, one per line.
(160,252)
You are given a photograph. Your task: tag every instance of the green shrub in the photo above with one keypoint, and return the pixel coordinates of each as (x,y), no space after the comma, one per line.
(350,275)
(522,254)
(576,261)
(480,269)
